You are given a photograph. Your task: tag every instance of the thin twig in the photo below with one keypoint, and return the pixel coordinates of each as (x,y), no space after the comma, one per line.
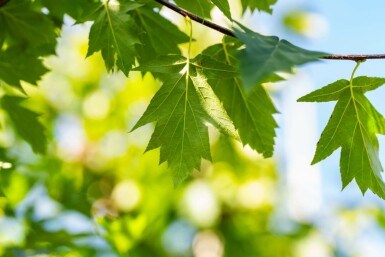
(354,57)
(194,17)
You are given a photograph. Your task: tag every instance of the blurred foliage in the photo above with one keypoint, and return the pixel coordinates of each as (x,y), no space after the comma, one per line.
(305,24)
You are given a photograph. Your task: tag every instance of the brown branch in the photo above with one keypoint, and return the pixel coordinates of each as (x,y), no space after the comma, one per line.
(196,18)
(353,57)
(185,13)
(3,2)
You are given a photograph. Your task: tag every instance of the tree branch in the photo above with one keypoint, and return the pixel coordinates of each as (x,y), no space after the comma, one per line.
(194,17)
(353,57)
(3,2)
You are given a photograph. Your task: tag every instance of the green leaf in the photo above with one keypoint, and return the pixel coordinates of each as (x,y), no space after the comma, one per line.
(90,13)
(203,7)
(262,5)
(333,91)
(265,55)
(181,108)
(224,6)
(113,32)
(212,105)
(160,35)
(252,112)
(59,8)
(24,24)
(339,128)
(26,122)
(359,156)
(16,65)
(352,126)
(199,7)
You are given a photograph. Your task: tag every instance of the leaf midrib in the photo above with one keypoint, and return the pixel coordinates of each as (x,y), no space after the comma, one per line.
(269,58)
(316,97)
(332,137)
(362,129)
(113,32)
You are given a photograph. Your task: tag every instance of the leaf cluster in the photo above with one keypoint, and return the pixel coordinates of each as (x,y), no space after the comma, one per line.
(196,92)
(211,89)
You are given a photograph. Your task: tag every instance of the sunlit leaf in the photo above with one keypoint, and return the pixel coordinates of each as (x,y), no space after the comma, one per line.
(198,7)
(261,5)
(252,112)
(181,108)
(352,126)
(113,33)
(159,35)
(224,6)
(203,7)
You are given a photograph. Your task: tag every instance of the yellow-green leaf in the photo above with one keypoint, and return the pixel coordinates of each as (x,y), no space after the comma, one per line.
(114,34)
(181,109)
(354,126)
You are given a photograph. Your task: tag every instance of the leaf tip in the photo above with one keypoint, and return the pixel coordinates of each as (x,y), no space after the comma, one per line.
(315,160)
(302,99)
(267,154)
(178,180)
